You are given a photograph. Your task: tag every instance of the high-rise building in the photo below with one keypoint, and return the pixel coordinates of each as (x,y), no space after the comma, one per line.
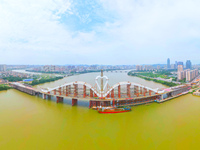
(173,66)
(191,74)
(180,63)
(148,67)
(188,64)
(168,64)
(48,68)
(138,67)
(176,64)
(180,68)
(3,67)
(181,75)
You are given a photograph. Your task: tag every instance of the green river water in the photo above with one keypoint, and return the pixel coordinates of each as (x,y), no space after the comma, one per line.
(29,122)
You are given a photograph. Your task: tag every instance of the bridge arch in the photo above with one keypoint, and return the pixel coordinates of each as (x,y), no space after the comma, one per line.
(137,90)
(120,90)
(75,85)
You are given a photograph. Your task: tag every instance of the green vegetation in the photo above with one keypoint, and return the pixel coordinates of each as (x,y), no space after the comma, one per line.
(174,79)
(13,78)
(161,73)
(192,92)
(44,80)
(170,84)
(183,81)
(44,72)
(4,87)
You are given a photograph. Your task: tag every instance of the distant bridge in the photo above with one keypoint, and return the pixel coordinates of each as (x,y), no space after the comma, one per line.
(117,71)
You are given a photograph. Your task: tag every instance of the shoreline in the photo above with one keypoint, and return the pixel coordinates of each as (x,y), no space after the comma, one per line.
(168,84)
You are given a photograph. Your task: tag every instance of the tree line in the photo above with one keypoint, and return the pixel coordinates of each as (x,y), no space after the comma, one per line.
(44,80)
(170,84)
(4,87)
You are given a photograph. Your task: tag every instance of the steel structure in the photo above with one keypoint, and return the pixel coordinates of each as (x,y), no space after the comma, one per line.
(79,89)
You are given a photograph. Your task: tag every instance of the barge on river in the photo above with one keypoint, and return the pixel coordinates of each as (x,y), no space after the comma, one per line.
(113,110)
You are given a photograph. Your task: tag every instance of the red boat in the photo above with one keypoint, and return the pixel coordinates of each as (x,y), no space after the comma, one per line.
(113,110)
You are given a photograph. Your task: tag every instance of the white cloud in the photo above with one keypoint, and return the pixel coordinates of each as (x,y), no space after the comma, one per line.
(138,30)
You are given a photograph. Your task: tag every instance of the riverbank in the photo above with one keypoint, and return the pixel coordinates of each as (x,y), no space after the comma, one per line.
(44,80)
(170,84)
(4,87)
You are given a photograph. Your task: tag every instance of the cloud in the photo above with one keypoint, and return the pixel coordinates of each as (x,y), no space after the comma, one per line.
(101,31)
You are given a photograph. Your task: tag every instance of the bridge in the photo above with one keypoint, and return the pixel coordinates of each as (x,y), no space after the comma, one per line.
(117,71)
(120,94)
(80,89)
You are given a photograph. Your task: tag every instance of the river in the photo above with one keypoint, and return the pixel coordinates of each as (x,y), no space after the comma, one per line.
(29,122)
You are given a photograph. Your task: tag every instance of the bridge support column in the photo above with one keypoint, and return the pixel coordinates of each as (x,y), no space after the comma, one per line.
(108,96)
(113,102)
(59,91)
(84,91)
(75,90)
(63,90)
(141,90)
(119,91)
(95,95)
(74,102)
(145,91)
(112,94)
(70,89)
(128,90)
(90,103)
(136,90)
(54,92)
(67,90)
(91,93)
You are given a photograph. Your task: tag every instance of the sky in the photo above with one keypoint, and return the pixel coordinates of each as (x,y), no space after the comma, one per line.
(112,32)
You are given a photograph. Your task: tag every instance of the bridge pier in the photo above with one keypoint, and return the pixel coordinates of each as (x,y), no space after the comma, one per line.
(59,99)
(74,102)
(49,97)
(44,96)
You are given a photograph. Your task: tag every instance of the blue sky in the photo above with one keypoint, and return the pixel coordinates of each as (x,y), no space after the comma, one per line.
(99,31)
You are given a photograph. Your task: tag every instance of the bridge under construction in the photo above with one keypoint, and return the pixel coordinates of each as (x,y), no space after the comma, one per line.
(120,94)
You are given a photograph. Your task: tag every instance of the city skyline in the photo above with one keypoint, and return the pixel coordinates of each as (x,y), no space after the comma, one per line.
(98,32)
